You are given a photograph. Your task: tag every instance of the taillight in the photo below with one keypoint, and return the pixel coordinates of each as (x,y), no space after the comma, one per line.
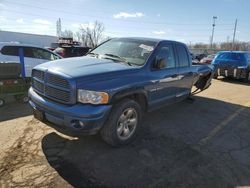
(8,82)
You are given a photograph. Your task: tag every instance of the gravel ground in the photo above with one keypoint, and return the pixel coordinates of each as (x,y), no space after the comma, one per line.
(204,143)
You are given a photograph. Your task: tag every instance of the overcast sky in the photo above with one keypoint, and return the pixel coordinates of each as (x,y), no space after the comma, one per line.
(183,20)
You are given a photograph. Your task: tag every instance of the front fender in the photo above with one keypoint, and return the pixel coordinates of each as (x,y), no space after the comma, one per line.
(128,92)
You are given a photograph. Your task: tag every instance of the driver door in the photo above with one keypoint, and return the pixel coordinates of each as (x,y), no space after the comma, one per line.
(166,77)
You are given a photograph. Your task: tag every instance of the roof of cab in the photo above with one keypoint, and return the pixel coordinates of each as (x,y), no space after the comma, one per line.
(17,44)
(149,39)
(2,44)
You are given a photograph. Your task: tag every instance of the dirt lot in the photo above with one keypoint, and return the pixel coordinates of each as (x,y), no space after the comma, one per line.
(201,144)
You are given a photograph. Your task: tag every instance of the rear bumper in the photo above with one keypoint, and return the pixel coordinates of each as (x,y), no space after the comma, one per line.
(64,117)
(238,72)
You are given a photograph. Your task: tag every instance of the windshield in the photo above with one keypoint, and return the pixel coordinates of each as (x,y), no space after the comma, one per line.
(132,51)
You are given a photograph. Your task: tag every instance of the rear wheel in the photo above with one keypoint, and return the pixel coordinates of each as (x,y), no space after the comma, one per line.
(123,123)
(247,78)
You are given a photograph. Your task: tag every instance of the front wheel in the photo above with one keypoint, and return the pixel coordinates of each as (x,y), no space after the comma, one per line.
(123,123)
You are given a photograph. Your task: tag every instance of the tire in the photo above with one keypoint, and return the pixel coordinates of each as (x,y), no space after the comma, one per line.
(215,76)
(247,79)
(123,123)
(2,102)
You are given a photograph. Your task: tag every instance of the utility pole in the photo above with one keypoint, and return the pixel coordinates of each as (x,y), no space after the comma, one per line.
(212,38)
(235,28)
(58,27)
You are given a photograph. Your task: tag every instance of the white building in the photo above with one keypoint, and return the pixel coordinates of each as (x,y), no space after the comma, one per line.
(26,38)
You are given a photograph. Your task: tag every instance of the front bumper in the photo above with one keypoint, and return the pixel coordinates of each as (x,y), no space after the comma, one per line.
(64,117)
(236,72)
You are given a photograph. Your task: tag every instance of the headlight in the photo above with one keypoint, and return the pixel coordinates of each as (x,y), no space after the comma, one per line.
(92,97)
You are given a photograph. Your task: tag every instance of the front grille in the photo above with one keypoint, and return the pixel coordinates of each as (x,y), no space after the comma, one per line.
(38,85)
(57,94)
(52,86)
(54,80)
(38,74)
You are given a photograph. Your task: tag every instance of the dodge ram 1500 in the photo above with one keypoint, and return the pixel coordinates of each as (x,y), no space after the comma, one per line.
(110,89)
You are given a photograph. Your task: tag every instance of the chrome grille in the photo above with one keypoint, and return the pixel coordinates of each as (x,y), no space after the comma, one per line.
(38,74)
(52,86)
(57,94)
(38,85)
(54,80)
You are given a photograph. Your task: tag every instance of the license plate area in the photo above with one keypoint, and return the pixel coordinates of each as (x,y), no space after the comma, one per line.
(38,114)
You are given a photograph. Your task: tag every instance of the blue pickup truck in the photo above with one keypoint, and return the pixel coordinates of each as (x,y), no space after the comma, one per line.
(110,89)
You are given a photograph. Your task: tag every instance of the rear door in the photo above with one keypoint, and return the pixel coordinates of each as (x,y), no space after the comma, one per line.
(185,73)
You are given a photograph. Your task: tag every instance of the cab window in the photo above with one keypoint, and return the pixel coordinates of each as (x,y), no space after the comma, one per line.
(182,56)
(166,55)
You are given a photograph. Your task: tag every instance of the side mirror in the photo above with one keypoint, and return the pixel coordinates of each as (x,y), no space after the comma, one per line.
(160,63)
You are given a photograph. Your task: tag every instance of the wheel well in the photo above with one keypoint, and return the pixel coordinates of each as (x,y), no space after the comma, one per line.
(202,81)
(139,98)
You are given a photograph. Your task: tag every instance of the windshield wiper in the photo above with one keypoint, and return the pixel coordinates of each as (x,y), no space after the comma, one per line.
(93,54)
(119,57)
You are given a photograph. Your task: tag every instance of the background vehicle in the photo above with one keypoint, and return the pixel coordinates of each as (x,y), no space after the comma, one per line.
(234,64)
(200,56)
(109,89)
(30,55)
(67,47)
(208,59)
(71,51)
(12,83)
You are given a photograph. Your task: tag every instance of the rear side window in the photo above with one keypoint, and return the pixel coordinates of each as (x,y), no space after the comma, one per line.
(42,54)
(28,52)
(182,56)
(38,53)
(10,50)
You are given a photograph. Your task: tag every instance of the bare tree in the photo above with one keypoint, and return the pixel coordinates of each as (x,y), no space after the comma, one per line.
(200,45)
(78,36)
(238,46)
(92,36)
(67,34)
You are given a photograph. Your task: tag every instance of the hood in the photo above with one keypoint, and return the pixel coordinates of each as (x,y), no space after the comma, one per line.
(84,66)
